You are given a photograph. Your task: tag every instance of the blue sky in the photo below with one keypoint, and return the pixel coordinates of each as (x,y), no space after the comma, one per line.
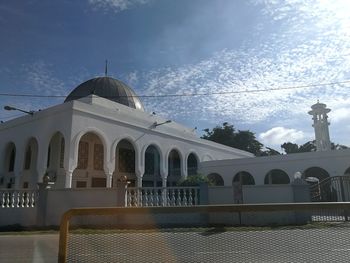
(164,47)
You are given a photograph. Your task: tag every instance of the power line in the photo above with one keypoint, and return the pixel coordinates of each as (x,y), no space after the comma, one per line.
(189,94)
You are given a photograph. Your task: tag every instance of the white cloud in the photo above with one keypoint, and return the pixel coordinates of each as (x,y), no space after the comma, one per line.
(132,78)
(341,115)
(41,79)
(116,5)
(311,46)
(279,135)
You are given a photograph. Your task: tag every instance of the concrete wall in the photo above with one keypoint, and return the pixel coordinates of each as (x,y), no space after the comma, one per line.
(26,216)
(52,204)
(254,194)
(260,194)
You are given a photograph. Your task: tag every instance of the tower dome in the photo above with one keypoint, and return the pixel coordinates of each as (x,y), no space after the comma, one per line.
(108,88)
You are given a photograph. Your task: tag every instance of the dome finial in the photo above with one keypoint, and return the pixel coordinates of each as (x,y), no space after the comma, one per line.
(106,68)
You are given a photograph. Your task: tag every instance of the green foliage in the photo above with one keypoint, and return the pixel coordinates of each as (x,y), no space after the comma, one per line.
(246,140)
(194,180)
(338,146)
(309,146)
(241,139)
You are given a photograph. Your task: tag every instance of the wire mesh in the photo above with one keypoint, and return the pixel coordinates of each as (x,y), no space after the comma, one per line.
(287,235)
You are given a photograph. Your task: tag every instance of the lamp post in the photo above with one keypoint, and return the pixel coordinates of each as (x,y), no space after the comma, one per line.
(158,124)
(13,108)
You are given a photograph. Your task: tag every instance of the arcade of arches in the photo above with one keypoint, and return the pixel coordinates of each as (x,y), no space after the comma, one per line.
(274,176)
(90,170)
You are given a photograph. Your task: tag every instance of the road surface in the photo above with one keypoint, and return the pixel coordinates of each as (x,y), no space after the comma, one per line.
(307,245)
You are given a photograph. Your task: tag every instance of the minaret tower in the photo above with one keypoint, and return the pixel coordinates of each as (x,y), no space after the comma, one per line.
(319,116)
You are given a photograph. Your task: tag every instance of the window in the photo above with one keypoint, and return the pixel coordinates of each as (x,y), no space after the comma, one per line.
(83,155)
(98,157)
(81,184)
(98,182)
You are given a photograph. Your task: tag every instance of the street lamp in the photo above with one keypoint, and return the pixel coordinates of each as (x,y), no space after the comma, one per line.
(13,108)
(158,124)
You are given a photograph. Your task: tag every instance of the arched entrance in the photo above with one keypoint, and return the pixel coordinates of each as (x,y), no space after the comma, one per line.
(125,162)
(192,164)
(55,160)
(90,167)
(174,168)
(152,177)
(8,180)
(29,173)
(276,176)
(244,177)
(316,172)
(216,179)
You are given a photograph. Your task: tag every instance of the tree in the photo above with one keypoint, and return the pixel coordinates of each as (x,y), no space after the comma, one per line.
(227,135)
(194,180)
(309,146)
(289,147)
(295,148)
(338,147)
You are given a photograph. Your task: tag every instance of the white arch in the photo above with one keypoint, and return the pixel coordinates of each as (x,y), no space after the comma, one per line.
(195,156)
(182,163)
(74,150)
(161,157)
(114,146)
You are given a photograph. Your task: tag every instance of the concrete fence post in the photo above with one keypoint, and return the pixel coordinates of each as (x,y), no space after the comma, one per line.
(301,193)
(121,194)
(41,204)
(203,194)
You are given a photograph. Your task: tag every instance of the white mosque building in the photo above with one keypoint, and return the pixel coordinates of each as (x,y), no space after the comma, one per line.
(100,134)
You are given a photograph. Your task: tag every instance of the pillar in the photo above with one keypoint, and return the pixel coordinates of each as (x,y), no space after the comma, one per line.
(69,176)
(183,167)
(109,179)
(139,179)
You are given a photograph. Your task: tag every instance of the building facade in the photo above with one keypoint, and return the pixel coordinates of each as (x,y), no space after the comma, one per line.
(98,136)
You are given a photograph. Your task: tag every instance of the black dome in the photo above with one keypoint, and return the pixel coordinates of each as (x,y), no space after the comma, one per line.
(108,88)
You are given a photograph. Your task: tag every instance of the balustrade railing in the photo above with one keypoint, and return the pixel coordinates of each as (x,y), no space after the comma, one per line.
(162,196)
(18,199)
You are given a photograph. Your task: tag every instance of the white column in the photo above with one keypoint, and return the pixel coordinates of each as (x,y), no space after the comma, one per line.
(184,167)
(69,176)
(109,179)
(139,179)
(164,181)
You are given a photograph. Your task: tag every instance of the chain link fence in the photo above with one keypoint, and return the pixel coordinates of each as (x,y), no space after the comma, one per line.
(301,232)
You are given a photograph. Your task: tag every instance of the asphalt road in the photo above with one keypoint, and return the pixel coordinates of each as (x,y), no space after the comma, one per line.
(312,245)
(29,248)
